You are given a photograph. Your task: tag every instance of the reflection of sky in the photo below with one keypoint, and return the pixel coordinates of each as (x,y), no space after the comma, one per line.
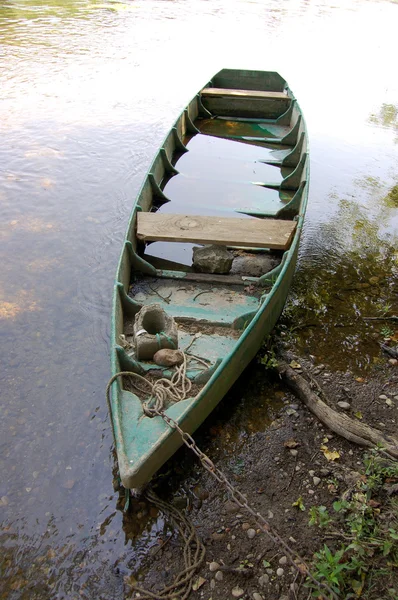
(88,93)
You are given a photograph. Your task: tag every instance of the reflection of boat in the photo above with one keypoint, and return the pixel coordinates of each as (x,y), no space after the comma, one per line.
(231,173)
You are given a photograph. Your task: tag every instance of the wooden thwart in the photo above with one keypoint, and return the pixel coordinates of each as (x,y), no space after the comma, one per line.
(219,92)
(249,232)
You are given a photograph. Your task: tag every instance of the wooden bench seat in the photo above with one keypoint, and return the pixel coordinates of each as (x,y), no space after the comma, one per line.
(225,92)
(227,231)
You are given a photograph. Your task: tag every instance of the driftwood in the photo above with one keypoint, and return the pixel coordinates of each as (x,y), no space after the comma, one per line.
(340,423)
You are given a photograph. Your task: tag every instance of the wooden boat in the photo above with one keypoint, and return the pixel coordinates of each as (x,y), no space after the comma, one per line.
(232,172)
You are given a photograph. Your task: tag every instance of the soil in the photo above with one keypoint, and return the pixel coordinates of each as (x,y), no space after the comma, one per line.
(269,446)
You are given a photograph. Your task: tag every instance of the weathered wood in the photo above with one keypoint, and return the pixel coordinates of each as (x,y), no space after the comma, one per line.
(250,232)
(350,429)
(220,92)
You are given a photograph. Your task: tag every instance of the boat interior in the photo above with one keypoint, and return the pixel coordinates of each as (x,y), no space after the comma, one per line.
(231,173)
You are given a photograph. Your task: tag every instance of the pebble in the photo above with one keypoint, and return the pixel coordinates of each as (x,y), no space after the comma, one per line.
(389,402)
(257,596)
(214,566)
(294,452)
(251,533)
(311,473)
(280,572)
(237,592)
(344,405)
(4,500)
(383,397)
(168,358)
(245,526)
(291,412)
(316,480)
(212,584)
(270,514)
(219,576)
(231,507)
(217,536)
(291,539)
(263,580)
(283,560)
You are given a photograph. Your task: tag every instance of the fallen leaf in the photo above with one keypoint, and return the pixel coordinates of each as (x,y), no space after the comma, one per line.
(291,444)
(329,454)
(198,583)
(359,379)
(358,415)
(295,365)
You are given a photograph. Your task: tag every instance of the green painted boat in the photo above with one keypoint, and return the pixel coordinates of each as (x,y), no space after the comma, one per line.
(230,180)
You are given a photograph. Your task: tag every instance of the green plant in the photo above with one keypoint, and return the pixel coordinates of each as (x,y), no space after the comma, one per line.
(367,521)
(319,516)
(331,568)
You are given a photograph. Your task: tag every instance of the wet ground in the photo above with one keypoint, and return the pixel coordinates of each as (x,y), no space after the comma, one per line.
(89,89)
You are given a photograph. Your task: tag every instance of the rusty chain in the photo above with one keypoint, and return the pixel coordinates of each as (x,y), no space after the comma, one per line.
(295,559)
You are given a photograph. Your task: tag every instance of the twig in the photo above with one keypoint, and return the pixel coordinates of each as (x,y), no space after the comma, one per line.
(167,300)
(293,473)
(392,318)
(200,293)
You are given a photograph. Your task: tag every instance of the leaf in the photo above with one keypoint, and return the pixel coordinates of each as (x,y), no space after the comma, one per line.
(266,564)
(358,415)
(198,583)
(291,444)
(359,379)
(330,455)
(295,365)
(299,503)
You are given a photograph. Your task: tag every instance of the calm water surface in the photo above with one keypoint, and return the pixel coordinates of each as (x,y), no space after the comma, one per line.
(88,91)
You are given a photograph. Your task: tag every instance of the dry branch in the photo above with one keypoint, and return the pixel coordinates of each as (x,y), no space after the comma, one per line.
(340,423)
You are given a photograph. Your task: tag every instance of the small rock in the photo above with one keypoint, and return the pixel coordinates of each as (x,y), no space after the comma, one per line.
(168,358)
(393,361)
(251,533)
(293,452)
(316,480)
(237,592)
(217,536)
(231,507)
(212,584)
(263,580)
(383,397)
(280,572)
(344,405)
(269,571)
(257,596)
(389,402)
(68,485)
(291,539)
(245,526)
(311,473)
(270,514)
(212,259)
(4,500)
(214,566)
(219,576)
(283,560)
(291,412)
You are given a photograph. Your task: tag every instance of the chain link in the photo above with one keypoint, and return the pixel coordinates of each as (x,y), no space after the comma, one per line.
(158,410)
(295,559)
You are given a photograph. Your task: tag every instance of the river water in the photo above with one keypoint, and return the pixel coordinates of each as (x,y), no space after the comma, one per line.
(88,91)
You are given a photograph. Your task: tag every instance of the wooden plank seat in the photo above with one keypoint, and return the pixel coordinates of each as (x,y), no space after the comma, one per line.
(248,232)
(225,92)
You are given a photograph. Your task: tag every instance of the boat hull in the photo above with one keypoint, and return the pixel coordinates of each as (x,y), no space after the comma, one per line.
(144,444)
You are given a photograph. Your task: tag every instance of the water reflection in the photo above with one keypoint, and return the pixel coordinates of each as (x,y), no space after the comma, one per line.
(89,89)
